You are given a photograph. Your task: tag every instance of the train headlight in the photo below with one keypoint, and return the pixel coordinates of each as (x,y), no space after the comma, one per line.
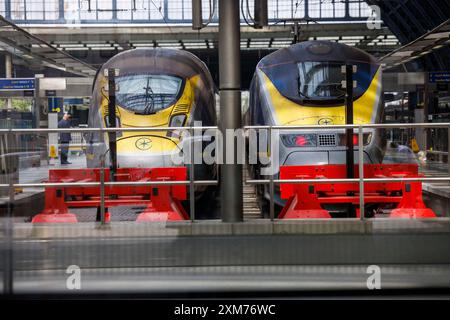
(367,138)
(177,120)
(299,140)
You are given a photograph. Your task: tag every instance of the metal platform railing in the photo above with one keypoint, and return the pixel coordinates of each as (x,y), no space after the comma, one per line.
(191,182)
(361,180)
(271,181)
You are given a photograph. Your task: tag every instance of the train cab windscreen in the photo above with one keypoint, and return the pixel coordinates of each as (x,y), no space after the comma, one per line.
(147,94)
(320,80)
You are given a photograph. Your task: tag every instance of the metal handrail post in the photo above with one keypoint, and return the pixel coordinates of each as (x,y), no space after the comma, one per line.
(448,148)
(271,185)
(192,178)
(8,284)
(102,192)
(361,171)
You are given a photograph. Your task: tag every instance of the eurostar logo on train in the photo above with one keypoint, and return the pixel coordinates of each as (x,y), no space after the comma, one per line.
(144,143)
(325,121)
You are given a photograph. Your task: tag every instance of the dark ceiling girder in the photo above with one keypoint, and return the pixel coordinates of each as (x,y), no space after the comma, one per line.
(410,19)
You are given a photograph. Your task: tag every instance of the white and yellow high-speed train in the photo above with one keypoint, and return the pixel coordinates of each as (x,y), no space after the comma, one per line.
(155,88)
(301,85)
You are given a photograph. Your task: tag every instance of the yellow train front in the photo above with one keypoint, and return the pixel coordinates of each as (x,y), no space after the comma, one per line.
(154,88)
(301,85)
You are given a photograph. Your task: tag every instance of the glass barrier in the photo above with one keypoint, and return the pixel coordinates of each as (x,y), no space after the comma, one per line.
(81,218)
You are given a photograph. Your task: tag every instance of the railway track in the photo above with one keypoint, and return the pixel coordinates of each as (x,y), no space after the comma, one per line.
(250,199)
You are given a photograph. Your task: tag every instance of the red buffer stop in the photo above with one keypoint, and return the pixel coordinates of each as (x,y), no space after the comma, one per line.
(163,202)
(306,200)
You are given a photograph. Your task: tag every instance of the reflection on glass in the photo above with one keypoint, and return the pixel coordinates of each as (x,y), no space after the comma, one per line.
(147,94)
(318,80)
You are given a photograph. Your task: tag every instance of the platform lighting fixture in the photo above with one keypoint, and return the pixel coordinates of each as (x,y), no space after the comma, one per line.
(98,45)
(258,45)
(76,49)
(281,42)
(353,38)
(143,44)
(403,54)
(263,44)
(328,38)
(102,48)
(438,35)
(193,43)
(71,45)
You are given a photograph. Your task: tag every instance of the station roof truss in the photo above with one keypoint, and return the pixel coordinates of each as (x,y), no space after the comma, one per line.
(104,38)
(428,43)
(34,50)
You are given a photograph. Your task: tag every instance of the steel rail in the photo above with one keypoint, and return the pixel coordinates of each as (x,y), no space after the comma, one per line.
(369,180)
(353,126)
(73,130)
(116,183)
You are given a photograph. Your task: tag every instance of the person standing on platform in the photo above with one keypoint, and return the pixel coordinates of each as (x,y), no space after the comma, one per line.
(65,138)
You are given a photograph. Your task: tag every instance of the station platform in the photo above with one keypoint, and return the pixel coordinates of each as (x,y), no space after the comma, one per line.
(309,254)
(284,255)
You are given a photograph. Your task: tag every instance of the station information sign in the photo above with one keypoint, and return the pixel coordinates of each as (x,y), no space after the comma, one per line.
(12,84)
(436,77)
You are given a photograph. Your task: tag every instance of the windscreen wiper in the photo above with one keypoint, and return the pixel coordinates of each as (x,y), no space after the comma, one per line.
(148,105)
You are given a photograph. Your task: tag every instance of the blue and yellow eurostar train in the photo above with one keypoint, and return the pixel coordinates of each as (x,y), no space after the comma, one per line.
(154,88)
(302,85)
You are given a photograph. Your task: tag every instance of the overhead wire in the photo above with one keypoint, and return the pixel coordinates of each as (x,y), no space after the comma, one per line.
(212,11)
(162,15)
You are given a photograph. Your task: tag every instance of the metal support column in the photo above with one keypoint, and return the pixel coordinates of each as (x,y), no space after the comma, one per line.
(11,166)
(111,73)
(61,10)
(8,9)
(230,106)
(448,151)
(197,22)
(38,105)
(350,155)
(261,14)
(8,74)
(426,102)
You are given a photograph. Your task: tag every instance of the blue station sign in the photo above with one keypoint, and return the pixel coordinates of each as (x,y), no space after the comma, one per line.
(439,77)
(11,84)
